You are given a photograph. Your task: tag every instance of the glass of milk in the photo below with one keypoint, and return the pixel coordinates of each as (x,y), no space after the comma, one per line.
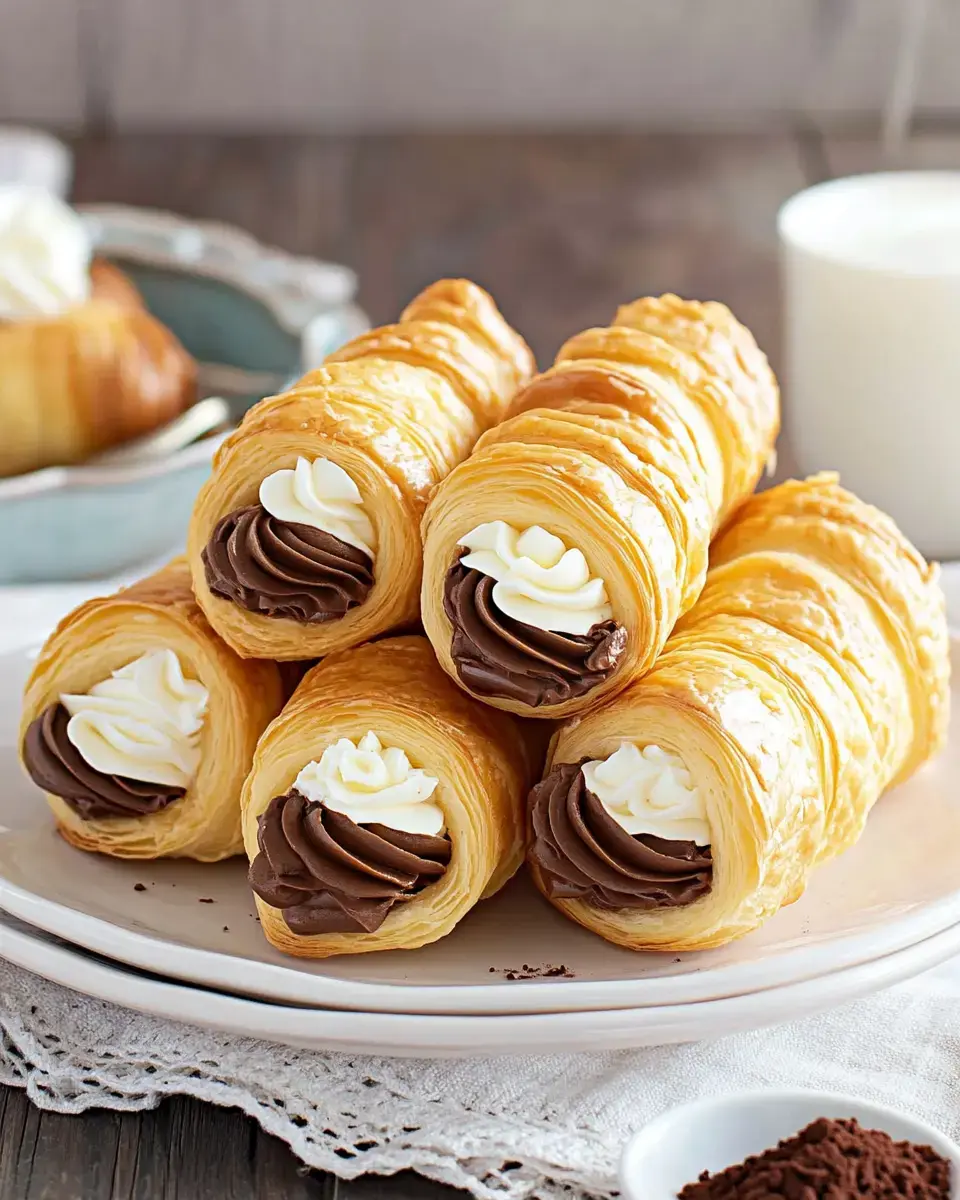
(871,274)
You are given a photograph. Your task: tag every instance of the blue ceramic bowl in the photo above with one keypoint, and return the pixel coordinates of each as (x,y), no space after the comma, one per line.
(246,313)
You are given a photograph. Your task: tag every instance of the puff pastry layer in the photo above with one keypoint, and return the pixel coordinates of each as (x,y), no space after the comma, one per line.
(102,373)
(397,409)
(395,687)
(102,635)
(811,675)
(634,448)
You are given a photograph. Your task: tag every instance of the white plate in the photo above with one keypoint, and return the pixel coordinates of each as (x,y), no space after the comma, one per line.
(899,886)
(414,1035)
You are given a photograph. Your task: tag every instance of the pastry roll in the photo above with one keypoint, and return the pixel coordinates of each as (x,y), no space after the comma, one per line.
(140,724)
(559,556)
(810,676)
(306,538)
(83,365)
(382,805)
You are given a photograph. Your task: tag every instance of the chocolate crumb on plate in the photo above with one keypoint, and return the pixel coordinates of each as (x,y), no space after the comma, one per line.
(530,971)
(139,887)
(206,900)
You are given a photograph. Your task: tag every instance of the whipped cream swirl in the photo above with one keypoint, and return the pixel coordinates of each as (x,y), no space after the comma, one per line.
(142,723)
(540,581)
(45,253)
(373,784)
(649,791)
(322,495)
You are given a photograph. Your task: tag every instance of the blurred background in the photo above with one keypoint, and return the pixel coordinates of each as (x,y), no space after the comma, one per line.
(567,154)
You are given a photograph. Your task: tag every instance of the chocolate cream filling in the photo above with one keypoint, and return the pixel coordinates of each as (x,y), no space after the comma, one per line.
(498,656)
(284,569)
(56,765)
(330,875)
(583,854)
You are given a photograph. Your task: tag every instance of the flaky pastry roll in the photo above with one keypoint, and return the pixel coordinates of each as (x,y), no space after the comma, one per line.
(89,378)
(306,538)
(810,676)
(140,724)
(559,556)
(383,803)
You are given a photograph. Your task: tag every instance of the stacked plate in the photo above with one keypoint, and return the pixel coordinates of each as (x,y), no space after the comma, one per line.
(181,940)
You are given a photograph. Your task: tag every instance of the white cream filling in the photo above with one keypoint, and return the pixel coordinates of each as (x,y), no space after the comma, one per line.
(372,783)
(322,495)
(649,791)
(45,254)
(143,722)
(540,580)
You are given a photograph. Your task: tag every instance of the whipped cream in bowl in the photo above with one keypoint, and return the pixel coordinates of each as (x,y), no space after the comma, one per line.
(45,253)
(540,580)
(322,495)
(142,723)
(372,783)
(649,790)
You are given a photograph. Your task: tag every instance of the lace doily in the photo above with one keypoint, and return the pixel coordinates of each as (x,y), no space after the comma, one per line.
(548,1128)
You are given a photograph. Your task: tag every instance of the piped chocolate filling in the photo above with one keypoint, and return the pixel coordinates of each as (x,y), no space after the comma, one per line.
(285,569)
(582,853)
(330,875)
(56,765)
(498,656)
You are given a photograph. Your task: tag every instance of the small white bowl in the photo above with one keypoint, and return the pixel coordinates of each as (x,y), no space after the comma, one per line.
(711,1135)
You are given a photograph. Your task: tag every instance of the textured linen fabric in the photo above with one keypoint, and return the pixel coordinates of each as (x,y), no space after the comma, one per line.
(547,1127)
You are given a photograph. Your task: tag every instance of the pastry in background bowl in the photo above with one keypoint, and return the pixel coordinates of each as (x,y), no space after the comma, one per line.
(83,365)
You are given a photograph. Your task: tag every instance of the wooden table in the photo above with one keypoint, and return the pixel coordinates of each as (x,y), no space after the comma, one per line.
(561,229)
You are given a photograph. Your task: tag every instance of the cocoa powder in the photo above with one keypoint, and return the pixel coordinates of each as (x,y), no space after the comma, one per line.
(831,1160)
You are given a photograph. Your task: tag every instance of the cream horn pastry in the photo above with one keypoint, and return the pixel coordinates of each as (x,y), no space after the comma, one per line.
(305,540)
(810,676)
(83,365)
(559,555)
(140,724)
(383,804)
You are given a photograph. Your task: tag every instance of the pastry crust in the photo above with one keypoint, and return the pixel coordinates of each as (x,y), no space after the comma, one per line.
(634,448)
(811,675)
(99,374)
(395,688)
(397,408)
(105,634)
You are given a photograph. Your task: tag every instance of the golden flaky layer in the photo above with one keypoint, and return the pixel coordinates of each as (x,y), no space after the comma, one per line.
(102,635)
(395,688)
(634,447)
(397,408)
(812,673)
(102,373)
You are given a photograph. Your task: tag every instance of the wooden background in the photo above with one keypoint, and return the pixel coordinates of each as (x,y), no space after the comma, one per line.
(561,229)
(244,65)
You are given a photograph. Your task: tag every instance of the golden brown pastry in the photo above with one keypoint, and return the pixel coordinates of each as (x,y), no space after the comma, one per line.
(383,803)
(810,676)
(98,374)
(559,556)
(140,724)
(306,538)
